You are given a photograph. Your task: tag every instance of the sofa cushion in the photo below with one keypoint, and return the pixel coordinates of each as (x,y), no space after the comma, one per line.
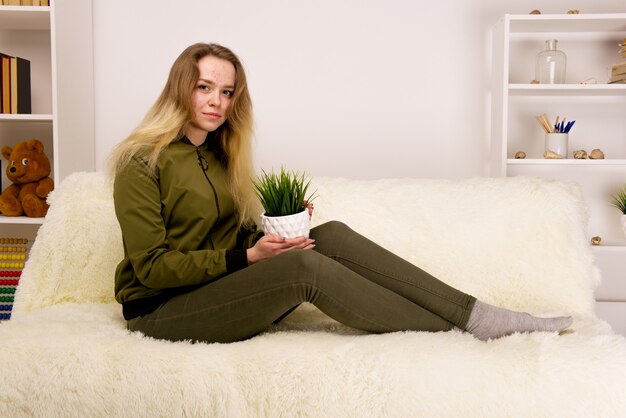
(77,248)
(514,242)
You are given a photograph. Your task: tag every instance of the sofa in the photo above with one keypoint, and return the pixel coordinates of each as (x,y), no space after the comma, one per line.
(514,242)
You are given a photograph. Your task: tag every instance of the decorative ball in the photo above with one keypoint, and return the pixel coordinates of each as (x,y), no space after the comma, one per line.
(580,154)
(596,240)
(596,154)
(520,155)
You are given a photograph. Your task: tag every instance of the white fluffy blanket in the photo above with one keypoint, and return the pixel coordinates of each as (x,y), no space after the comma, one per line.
(514,242)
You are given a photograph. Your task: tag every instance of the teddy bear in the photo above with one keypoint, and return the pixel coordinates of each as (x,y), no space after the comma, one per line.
(28,170)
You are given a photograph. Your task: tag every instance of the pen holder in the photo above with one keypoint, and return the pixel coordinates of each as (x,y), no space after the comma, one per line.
(557,143)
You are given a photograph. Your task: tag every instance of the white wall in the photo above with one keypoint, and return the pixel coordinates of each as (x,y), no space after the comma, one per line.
(353,88)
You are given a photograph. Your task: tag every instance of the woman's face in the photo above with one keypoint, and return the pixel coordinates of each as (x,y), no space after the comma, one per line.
(211,97)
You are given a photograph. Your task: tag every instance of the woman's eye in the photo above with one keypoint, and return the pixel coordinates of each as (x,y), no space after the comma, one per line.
(229,93)
(203,87)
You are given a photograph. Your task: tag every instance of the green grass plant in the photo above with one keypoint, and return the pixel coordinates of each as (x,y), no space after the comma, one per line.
(619,200)
(284,193)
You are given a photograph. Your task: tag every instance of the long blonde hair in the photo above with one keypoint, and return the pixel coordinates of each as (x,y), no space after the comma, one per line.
(168,118)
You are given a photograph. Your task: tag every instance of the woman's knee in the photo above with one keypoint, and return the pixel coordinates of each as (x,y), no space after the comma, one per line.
(330,237)
(310,270)
(301,261)
(331,230)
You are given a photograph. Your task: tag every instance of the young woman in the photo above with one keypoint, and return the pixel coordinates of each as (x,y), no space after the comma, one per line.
(196,268)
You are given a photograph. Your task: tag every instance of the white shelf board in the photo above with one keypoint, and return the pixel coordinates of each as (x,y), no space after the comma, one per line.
(21,220)
(564,161)
(25,17)
(567,90)
(26,118)
(560,23)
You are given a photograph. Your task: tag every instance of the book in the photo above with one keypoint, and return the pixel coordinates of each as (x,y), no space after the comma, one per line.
(20,85)
(618,70)
(5,63)
(617,78)
(1,88)
(13,80)
(618,67)
(24,2)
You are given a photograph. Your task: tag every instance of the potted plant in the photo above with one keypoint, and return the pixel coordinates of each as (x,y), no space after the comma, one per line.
(285,200)
(619,201)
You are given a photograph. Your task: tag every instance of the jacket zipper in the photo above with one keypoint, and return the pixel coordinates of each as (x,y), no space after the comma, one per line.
(202,162)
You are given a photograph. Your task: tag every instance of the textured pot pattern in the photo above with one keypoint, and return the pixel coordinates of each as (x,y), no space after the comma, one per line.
(289,226)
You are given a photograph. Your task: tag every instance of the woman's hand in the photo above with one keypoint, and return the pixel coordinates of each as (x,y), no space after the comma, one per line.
(272,245)
(309,207)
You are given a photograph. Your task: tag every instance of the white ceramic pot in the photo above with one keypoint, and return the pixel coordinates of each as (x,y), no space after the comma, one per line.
(557,143)
(624,224)
(289,226)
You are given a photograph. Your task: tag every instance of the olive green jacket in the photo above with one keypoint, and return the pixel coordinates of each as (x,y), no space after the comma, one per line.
(179,226)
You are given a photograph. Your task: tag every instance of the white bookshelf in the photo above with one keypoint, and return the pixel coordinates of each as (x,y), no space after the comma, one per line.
(4,118)
(57,40)
(590,42)
(567,89)
(25,18)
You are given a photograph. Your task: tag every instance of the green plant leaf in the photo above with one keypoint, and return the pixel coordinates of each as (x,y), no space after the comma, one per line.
(284,193)
(618,200)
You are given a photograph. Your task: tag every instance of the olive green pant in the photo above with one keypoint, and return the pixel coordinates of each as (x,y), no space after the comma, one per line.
(346,276)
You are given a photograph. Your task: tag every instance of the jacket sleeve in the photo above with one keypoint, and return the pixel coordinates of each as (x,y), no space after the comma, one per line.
(246,238)
(250,235)
(137,201)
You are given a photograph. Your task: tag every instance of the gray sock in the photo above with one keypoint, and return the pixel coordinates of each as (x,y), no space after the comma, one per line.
(488,321)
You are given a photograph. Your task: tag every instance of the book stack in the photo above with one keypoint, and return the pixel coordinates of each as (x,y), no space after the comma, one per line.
(14,84)
(618,73)
(25,2)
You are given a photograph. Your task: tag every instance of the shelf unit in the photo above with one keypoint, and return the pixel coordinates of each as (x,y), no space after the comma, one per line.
(590,43)
(58,40)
